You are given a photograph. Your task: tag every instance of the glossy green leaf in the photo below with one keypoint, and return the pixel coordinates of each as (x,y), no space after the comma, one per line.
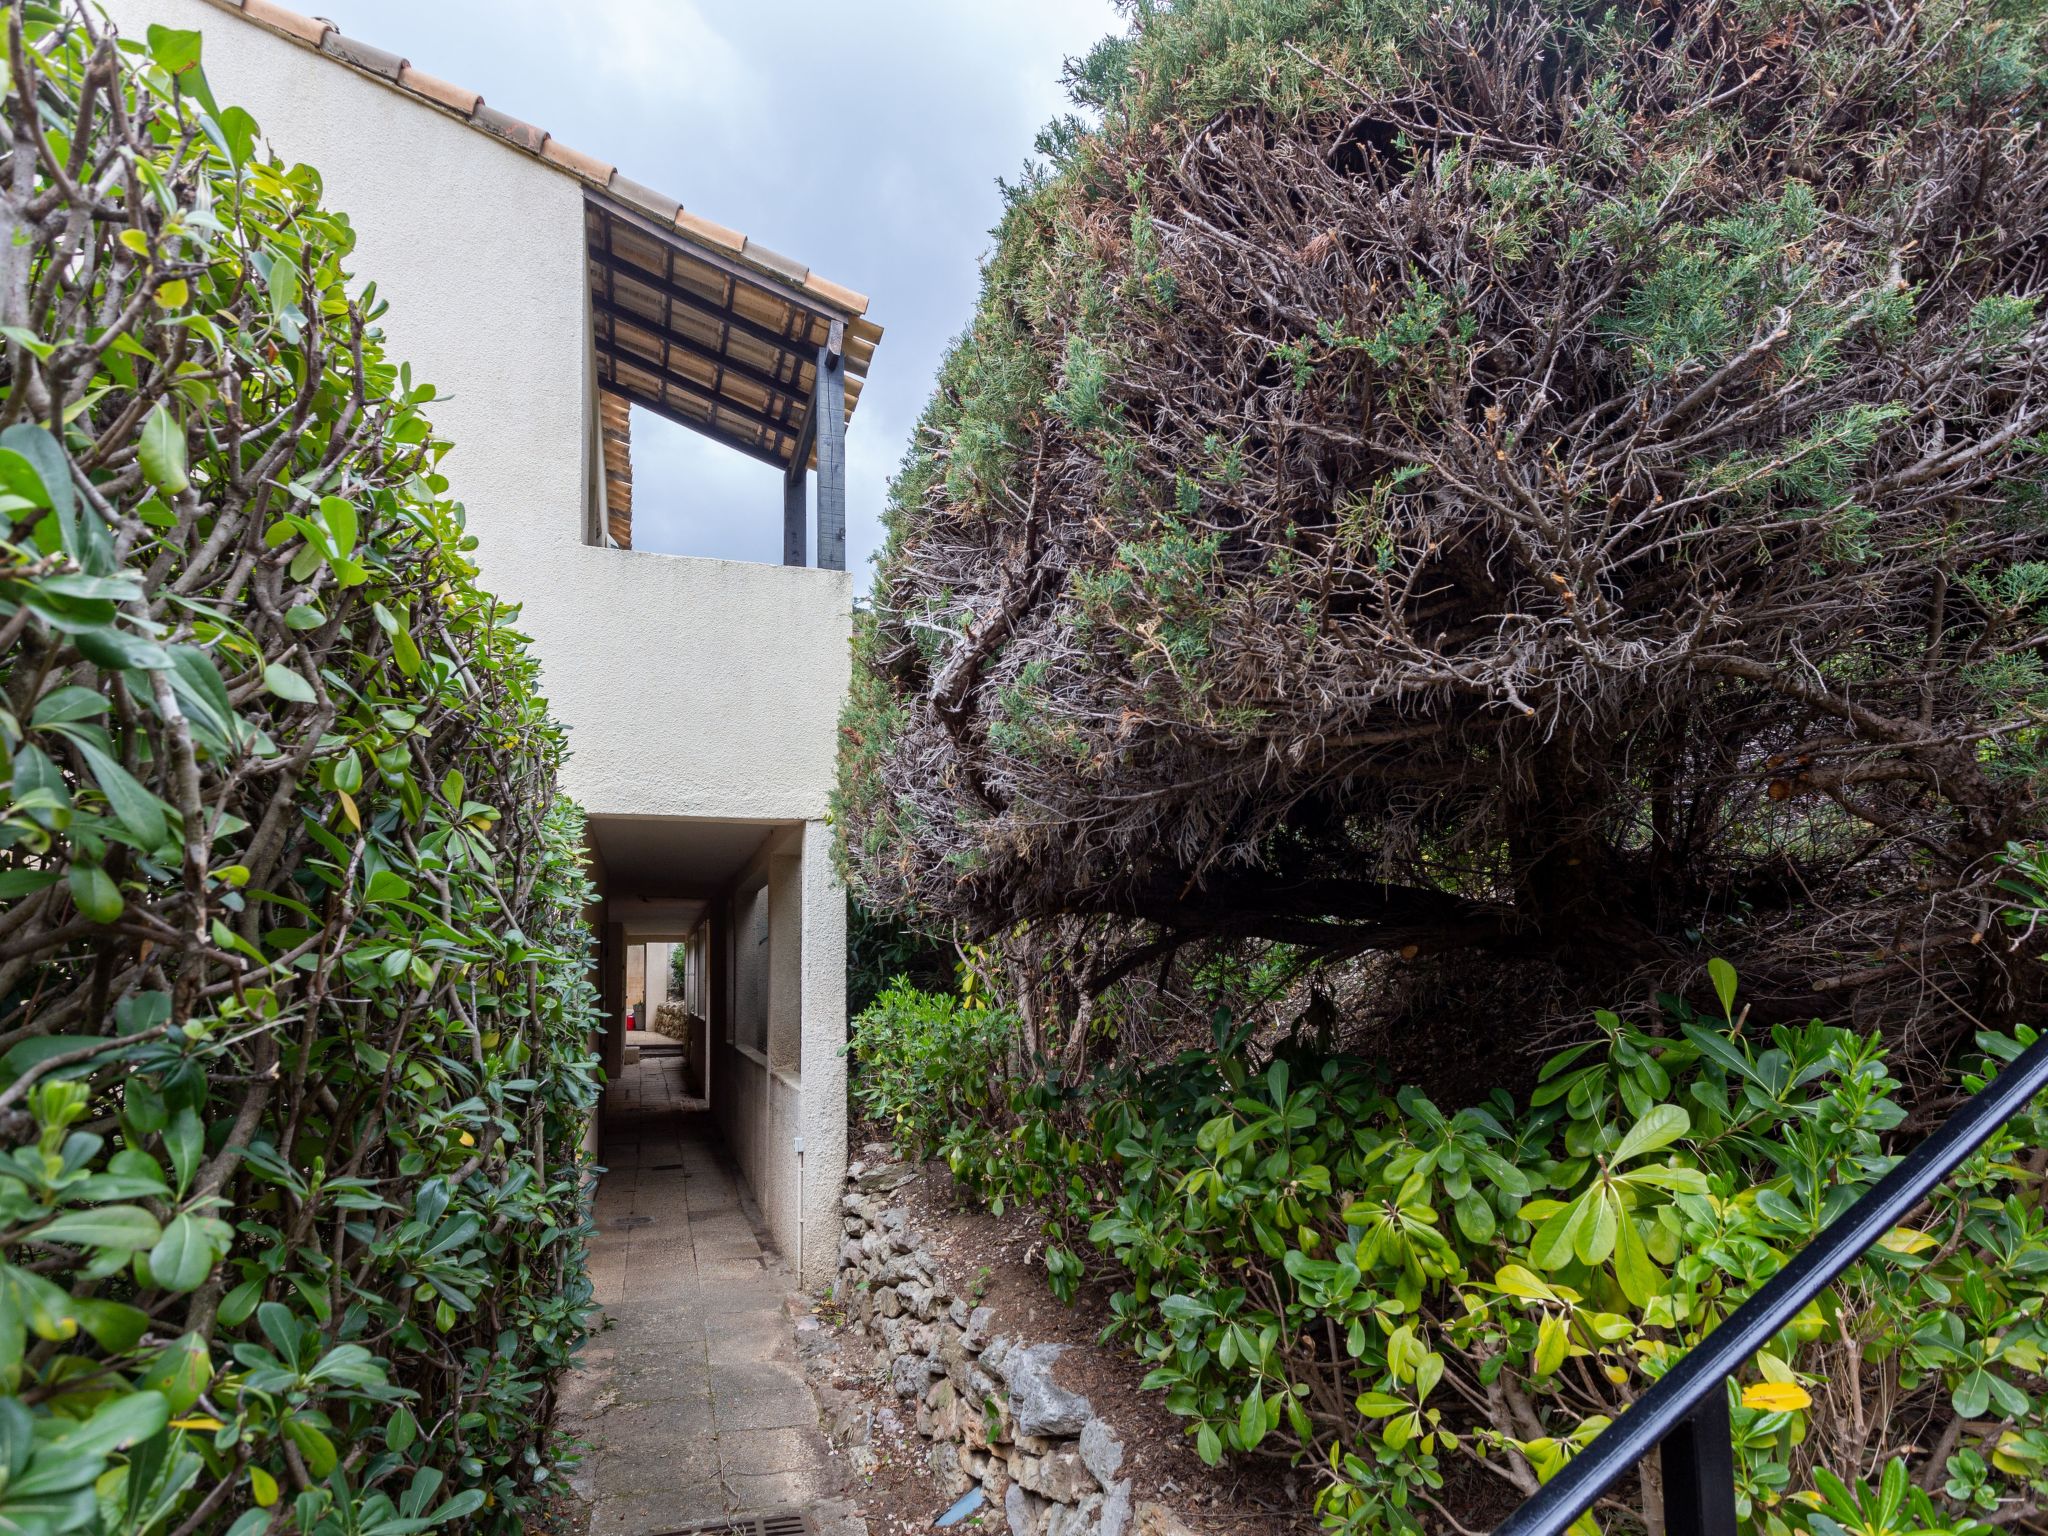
(161,452)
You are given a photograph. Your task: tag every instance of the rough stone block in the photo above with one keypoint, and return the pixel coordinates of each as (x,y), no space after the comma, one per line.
(995,1482)
(895,1334)
(907,1374)
(1150,1519)
(1024,1511)
(1102,1451)
(995,1355)
(1116,1509)
(945,1464)
(976,1327)
(1043,1406)
(1058,1475)
(973,1426)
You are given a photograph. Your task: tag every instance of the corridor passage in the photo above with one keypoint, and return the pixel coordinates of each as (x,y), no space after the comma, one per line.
(690,1400)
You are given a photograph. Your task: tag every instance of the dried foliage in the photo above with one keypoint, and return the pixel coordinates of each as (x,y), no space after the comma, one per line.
(293,990)
(1558,485)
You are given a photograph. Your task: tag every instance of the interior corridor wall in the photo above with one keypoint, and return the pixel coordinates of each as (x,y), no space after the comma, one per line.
(779,1076)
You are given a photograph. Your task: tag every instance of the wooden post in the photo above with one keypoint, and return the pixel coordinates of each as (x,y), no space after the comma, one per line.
(828,416)
(795,509)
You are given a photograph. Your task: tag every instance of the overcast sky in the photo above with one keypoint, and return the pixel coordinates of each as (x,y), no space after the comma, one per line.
(861,137)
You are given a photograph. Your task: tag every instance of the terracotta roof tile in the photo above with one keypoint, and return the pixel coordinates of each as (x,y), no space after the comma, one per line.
(589,167)
(834,293)
(455,98)
(710,233)
(645,198)
(307,29)
(512,130)
(776,262)
(377,61)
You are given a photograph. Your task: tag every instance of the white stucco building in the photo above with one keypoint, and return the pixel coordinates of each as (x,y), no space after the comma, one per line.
(543,293)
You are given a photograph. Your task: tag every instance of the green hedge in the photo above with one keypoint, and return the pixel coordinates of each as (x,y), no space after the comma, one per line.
(294,993)
(1437,1309)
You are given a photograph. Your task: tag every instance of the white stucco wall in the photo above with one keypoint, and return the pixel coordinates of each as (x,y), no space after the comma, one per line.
(690,687)
(763,1108)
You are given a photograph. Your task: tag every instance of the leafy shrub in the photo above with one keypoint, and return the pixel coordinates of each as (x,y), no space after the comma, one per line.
(293,991)
(925,1062)
(1316,1263)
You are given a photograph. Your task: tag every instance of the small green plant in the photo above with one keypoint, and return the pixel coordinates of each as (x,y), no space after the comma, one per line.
(925,1062)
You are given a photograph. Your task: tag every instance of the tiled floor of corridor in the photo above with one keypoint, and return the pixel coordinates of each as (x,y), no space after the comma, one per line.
(691,1400)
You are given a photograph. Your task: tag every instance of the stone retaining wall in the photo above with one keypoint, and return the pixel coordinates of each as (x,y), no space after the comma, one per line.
(987,1402)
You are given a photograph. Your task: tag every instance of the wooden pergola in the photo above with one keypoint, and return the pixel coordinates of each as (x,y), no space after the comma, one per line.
(717,344)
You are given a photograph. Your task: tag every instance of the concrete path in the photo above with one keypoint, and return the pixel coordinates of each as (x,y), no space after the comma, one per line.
(691,1400)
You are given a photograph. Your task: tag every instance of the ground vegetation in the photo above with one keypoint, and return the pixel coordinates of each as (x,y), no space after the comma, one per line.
(1433,1308)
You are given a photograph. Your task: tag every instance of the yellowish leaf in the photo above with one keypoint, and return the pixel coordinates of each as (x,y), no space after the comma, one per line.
(348,809)
(173,294)
(1517,1281)
(197,1421)
(263,1486)
(1771,1368)
(1905,1240)
(1776,1396)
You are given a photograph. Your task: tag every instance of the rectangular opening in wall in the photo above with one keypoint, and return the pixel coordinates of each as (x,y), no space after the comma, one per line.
(740,356)
(751,979)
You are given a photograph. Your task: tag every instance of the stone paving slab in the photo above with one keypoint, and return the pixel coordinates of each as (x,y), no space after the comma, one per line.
(690,1400)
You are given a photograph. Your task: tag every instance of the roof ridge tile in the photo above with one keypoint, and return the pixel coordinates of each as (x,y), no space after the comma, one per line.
(456,98)
(575,161)
(307,29)
(639,195)
(782,266)
(710,232)
(368,57)
(515,131)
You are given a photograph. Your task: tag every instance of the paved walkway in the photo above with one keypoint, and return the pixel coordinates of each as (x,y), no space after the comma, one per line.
(691,1400)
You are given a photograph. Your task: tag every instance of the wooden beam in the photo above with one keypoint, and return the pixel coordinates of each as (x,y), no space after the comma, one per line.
(828,422)
(669,413)
(792,346)
(780,427)
(796,513)
(615,311)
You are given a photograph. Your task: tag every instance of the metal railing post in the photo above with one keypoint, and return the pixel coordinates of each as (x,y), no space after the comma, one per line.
(1699,1471)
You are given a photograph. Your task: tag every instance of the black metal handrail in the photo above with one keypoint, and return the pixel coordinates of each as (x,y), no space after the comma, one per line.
(1686,1412)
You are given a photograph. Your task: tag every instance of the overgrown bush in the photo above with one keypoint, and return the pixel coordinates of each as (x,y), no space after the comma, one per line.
(1552,485)
(926,1062)
(1317,1263)
(293,990)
